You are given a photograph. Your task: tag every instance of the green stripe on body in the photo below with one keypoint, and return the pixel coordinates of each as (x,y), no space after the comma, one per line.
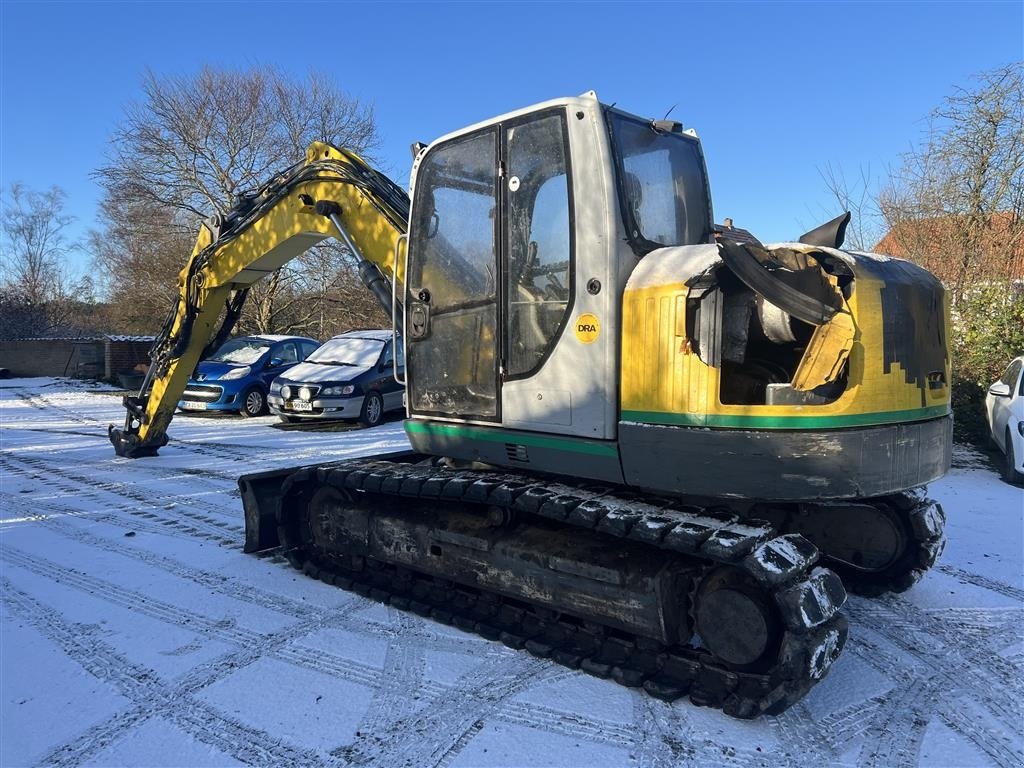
(784,422)
(502,435)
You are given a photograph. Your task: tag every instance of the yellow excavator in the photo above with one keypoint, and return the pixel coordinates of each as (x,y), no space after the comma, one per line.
(639,447)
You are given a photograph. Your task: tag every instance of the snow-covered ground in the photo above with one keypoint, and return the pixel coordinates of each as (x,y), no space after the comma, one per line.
(136,632)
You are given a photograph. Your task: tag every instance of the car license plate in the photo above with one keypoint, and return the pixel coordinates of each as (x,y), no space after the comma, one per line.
(194,405)
(300,405)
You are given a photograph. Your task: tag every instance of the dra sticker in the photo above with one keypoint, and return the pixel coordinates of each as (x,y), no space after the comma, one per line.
(588,328)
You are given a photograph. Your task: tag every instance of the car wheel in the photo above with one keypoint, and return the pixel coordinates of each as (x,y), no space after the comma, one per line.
(1010,473)
(253,402)
(373,409)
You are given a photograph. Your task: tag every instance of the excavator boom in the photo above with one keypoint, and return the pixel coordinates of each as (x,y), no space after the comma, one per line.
(333,192)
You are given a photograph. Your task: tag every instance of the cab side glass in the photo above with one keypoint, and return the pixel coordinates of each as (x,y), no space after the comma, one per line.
(538,241)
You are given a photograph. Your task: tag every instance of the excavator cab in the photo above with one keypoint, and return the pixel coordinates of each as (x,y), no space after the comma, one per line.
(522,235)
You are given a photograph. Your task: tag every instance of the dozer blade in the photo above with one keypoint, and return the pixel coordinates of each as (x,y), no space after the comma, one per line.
(261,496)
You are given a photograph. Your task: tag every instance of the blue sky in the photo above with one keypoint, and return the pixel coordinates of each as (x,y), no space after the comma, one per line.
(775,90)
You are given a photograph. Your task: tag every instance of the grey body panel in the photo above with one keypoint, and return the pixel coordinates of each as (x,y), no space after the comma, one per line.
(521,451)
(780,465)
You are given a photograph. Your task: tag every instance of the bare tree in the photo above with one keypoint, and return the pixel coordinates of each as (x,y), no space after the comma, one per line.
(857,196)
(956,204)
(38,289)
(139,250)
(323,296)
(193,143)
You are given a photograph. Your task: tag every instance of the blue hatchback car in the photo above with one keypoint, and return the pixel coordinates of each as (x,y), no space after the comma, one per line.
(237,376)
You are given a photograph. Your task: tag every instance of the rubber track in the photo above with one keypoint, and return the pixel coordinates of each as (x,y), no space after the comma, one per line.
(808,597)
(925,521)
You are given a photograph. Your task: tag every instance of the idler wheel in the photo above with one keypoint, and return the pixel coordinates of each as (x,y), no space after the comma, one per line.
(736,619)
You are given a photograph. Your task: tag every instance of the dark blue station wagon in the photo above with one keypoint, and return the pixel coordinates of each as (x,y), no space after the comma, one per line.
(349,377)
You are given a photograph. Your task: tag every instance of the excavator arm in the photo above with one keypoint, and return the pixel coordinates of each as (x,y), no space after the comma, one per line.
(332,193)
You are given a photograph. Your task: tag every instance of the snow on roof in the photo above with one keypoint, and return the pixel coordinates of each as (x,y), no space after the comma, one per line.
(130,338)
(370,333)
(57,337)
(98,337)
(271,336)
(276,337)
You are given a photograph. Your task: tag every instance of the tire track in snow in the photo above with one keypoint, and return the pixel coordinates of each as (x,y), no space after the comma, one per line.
(47,511)
(800,737)
(344,616)
(439,731)
(44,405)
(314,659)
(977,580)
(402,679)
(567,723)
(656,744)
(149,695)
(914,675)
(962,716)
(310,658)
(884,744)
(665,736)
(844,726)
(244,592)
(896,735)
(970,666)
(83,487)
(150,606)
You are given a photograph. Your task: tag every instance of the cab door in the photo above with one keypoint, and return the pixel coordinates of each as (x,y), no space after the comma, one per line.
(452,294)
(491,273)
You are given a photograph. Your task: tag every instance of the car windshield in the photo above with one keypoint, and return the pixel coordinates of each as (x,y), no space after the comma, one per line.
(240,351)
(348,351)
(662,184)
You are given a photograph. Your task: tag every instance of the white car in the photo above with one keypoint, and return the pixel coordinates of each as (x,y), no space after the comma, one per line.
(1004,406)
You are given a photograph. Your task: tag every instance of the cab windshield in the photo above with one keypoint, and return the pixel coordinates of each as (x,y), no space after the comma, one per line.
(351,351)
(240,351)
(662,185)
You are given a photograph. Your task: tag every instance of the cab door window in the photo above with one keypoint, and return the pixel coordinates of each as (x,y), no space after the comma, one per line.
(451,303)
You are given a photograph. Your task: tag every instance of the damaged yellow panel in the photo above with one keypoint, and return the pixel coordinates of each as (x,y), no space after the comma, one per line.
(878,358)
(828,349)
